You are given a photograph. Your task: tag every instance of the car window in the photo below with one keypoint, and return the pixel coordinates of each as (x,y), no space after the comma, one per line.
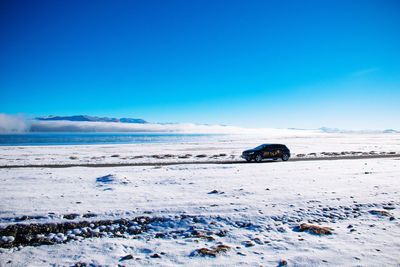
(259,147)
(269,148)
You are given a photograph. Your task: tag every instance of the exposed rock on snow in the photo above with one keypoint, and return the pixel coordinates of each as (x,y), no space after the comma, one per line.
(211,252)
(52,233)
(380,213)
(127,257)
(248,243)
(71,216)
(214,192)
(110,179)
(314,229)
(282,263)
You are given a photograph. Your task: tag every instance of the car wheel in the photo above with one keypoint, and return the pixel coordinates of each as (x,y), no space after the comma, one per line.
(248,159)
(285,157)
(259,158)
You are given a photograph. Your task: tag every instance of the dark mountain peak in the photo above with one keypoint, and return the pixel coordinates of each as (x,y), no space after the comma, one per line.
(90,118)
(391,131)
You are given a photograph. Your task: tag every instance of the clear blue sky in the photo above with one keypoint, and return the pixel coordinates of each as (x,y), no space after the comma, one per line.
(247,63)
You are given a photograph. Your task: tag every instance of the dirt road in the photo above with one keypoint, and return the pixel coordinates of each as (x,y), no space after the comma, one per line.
(165,163)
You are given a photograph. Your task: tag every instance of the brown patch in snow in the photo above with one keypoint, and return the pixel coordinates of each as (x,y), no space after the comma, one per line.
(212,252)
(315,229)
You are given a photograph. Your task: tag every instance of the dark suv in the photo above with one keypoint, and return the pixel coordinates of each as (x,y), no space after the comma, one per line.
(270,151)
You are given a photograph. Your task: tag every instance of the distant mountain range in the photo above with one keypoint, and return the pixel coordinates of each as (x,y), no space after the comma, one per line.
(336,130)
(90,118)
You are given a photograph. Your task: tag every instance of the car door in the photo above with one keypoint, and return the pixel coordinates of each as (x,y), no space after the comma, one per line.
(267,152)
(272,151)
(277,153)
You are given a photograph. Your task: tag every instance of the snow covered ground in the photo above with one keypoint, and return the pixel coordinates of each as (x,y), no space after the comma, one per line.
(208,214)
(241,214)
(302,143)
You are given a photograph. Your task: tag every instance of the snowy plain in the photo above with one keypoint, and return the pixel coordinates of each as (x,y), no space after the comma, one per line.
(252,209)
(302,143)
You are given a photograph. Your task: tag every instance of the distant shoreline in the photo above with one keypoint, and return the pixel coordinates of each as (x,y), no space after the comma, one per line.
(100,138)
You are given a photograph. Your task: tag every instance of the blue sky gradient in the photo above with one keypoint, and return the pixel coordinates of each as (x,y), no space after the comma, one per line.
(302,64)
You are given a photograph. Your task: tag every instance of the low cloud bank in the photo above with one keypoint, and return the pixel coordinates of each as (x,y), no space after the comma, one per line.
(13,124)
(71,126)
(20,124)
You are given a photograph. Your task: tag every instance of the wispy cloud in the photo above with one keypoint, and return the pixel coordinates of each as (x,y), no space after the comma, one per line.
(365,72)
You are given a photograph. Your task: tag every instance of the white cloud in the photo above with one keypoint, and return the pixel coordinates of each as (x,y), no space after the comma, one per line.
(13,124)
(20,124)
(73,126)
(188,128)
